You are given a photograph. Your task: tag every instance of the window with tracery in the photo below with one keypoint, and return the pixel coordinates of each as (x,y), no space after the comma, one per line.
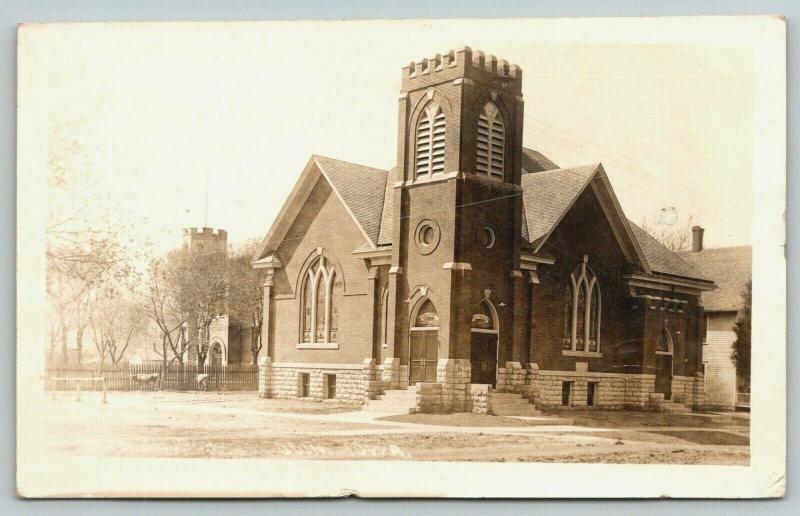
(582,311)
(320,303)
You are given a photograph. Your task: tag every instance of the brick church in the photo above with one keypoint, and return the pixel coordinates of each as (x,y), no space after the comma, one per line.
(475,265)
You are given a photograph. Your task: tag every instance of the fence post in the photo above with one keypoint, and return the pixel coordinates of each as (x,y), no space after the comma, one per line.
(104,391)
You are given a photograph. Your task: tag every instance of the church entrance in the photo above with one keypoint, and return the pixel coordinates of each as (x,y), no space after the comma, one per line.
(664,349)
(483,346)
(424,346)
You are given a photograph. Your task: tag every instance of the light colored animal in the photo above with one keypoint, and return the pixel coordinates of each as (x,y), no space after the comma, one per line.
(144,379)
(202,382)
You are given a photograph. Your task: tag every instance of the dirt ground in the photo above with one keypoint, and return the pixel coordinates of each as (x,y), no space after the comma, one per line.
(240,425)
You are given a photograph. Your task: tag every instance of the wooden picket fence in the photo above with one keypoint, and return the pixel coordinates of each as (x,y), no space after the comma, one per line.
(178,377)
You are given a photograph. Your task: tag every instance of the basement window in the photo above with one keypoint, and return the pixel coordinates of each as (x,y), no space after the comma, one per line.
(304,385)
(591,393)
(566,394)
(330,386)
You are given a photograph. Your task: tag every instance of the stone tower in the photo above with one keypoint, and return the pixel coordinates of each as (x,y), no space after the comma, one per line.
(202,242)
(205,240)
(457,213)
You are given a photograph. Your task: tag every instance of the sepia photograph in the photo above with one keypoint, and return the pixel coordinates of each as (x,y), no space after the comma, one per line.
(383,251)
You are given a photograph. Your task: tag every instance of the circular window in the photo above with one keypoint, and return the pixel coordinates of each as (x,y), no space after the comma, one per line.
(486,237)
(426,236)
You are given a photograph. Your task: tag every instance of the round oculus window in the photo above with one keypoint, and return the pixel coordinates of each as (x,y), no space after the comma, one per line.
(486,237)
(426,236)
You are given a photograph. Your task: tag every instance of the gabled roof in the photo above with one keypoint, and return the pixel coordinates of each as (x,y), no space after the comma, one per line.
(547,196)
(360,189)
(663,260)
(730,268)
(367,194)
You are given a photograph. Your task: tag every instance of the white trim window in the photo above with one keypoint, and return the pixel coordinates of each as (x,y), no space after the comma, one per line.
(319,312)
(490,149)
(430,141)
(582,311)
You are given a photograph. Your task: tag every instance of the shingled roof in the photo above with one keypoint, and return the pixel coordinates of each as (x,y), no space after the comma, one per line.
(362,190)
(730,268)
(547,196)
(662,259)
(535,161)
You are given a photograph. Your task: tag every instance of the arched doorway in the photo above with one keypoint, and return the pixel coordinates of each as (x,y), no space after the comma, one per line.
(483,348)
(664,351)
(424,348)
(216,354)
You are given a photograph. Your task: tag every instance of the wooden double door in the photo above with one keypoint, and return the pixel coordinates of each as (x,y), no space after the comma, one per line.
(483,358)
(424,356)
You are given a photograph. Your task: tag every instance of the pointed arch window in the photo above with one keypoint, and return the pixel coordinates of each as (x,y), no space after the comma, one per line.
(430,140)
(490,148)
(582,301)
(321,295)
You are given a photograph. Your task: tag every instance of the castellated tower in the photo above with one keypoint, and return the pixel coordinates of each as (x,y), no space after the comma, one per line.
(205,240)
(457,212)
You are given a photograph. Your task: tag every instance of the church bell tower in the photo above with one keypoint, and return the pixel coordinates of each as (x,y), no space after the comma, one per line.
(457,208)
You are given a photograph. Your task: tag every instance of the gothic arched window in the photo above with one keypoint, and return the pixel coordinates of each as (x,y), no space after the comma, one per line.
(430,141)
(490,150)
(582,311)
(321,294)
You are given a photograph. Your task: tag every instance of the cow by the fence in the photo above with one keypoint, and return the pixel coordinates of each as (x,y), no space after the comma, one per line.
(145,379)
(202,381)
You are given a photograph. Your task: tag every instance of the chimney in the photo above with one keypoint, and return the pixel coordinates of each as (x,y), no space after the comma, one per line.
(697,238)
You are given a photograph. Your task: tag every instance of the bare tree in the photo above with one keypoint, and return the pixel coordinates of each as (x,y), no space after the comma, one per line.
(115,318)
(186,291)
(245,294)
(676,236)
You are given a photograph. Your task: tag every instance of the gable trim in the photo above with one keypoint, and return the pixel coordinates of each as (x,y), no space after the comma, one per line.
(294,204)
(613,212)
(341,199)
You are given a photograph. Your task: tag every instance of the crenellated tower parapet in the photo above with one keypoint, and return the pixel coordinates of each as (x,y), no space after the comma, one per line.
(463,63)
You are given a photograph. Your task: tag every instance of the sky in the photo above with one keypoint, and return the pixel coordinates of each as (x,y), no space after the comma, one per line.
(150,119)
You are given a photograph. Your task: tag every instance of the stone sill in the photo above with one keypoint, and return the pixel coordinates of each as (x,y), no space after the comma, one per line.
(584,354)
(318,345)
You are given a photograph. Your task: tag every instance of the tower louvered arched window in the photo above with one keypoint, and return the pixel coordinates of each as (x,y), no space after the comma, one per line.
(490,155)
(430,141)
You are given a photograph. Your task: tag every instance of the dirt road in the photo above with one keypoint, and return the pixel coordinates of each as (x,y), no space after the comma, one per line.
(239,425)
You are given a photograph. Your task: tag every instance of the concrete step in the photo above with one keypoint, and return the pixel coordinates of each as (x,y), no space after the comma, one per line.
(510,404)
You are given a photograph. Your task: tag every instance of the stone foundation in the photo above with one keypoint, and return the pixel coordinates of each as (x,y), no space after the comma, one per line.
(355,383)
(453,374)
(612,390)
(510,376)
(689,390)
(429,398)
(478,402)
